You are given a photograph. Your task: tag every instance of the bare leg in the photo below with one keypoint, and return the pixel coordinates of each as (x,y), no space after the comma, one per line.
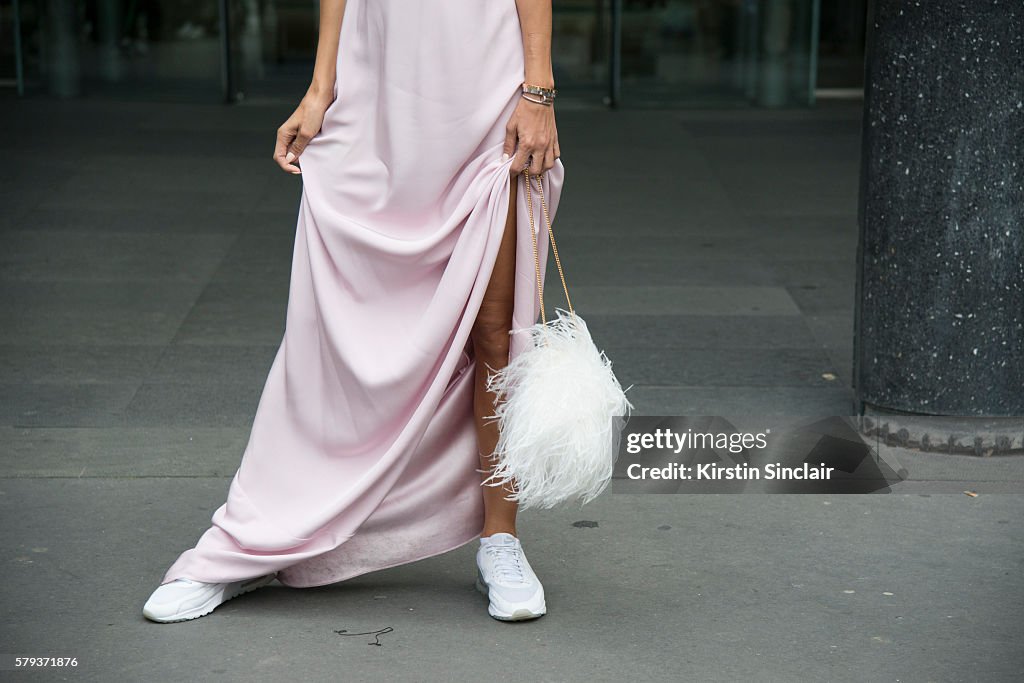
(490,337)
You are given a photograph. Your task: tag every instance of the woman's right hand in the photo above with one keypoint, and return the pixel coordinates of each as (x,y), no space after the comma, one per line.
(295,133)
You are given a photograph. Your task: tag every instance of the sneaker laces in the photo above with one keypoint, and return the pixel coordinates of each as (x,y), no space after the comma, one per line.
(508,563)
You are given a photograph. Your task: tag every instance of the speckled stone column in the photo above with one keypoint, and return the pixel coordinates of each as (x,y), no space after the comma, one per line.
(939,326)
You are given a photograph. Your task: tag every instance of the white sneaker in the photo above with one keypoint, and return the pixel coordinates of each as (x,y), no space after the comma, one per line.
(506,578)
(184,599)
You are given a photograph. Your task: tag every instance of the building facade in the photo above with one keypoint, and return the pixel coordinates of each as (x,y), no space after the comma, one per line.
(661,53)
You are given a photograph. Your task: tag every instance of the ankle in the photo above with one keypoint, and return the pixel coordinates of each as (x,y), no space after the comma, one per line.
(499,529)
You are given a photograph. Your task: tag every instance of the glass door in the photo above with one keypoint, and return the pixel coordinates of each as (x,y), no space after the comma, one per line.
(714,52)
(126,49)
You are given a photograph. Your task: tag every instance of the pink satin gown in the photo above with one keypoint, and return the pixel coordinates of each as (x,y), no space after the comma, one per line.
(363,453)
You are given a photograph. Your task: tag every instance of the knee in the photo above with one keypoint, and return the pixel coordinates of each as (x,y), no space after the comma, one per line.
(491,335)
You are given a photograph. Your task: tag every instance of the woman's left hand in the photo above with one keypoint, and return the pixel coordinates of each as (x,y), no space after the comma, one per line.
(531,132)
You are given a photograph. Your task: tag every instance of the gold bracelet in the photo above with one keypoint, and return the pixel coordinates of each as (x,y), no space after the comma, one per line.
(547,94)
(547,103)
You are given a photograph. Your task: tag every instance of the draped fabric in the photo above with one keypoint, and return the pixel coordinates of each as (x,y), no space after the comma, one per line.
(363,453)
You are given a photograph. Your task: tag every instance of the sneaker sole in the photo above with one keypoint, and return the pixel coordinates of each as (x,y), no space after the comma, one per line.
(215,601)
(522,614)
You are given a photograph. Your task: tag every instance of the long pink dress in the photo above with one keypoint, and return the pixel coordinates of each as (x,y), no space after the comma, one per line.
(363,453)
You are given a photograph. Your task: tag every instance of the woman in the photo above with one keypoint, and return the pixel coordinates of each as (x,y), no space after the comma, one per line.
(412,263)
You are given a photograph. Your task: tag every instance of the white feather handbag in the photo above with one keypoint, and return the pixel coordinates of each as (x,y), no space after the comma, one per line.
(560,409)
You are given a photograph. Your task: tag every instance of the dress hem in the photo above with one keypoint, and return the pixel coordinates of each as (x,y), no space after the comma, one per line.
(346,577)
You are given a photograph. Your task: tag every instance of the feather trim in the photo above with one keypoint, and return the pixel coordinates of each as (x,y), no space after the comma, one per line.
(560,411)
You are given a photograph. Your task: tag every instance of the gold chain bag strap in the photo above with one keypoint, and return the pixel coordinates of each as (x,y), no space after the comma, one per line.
(551,240)
(560,409)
